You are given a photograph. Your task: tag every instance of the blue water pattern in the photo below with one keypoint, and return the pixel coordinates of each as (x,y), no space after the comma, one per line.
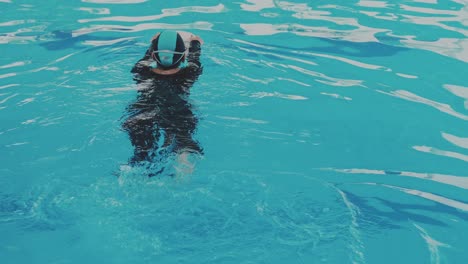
(332,132)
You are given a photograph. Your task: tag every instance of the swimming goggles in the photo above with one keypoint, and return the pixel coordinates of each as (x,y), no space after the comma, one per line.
(155,57)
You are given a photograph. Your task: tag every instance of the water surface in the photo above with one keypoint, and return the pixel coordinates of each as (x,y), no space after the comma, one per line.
(333,132)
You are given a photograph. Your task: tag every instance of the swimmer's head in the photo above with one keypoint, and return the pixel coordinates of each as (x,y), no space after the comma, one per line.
(168,49)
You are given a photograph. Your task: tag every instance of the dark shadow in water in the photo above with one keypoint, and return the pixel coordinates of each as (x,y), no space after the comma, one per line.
(340,47)
(359,49)
(401,212)
(161,121)
(30,214)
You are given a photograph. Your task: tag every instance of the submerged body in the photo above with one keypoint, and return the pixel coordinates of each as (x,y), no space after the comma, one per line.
(161,120)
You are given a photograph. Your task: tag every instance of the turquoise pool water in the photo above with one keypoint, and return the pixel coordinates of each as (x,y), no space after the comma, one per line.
(333,132)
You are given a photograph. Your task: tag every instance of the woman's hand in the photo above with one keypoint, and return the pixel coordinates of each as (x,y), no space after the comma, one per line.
(155,36)
(196,38)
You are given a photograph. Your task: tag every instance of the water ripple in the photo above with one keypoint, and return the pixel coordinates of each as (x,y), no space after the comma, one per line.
(323,78)
(141,27)
(248,120)
(278,95)
(357,245)
(457,141)
(440,152)
(114,1)
(95,11)
(441,22)
(257,5)
(445,108)
(444,20)
(457,181)
(432,244)
(3,76)
(275,50)
(165,13)
(451,47)
(429,196)
(15,64)
(99,43)
(362,34)
(8,86)
(460,91)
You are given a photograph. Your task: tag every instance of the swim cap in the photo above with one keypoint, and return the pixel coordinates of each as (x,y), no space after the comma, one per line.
(168,49)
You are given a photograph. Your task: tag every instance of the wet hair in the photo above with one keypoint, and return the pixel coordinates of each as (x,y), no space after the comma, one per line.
(168,40)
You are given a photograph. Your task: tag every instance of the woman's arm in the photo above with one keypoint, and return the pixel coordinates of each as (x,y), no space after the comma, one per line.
(195,50)
(144,63)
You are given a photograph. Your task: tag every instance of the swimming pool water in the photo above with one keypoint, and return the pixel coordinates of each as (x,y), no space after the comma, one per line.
(333,132)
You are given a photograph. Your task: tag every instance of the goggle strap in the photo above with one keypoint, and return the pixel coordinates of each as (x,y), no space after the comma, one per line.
(159,62)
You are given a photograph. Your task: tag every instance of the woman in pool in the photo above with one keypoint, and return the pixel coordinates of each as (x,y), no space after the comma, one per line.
(161,120)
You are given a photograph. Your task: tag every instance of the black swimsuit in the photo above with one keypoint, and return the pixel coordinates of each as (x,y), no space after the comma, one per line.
(162,111)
